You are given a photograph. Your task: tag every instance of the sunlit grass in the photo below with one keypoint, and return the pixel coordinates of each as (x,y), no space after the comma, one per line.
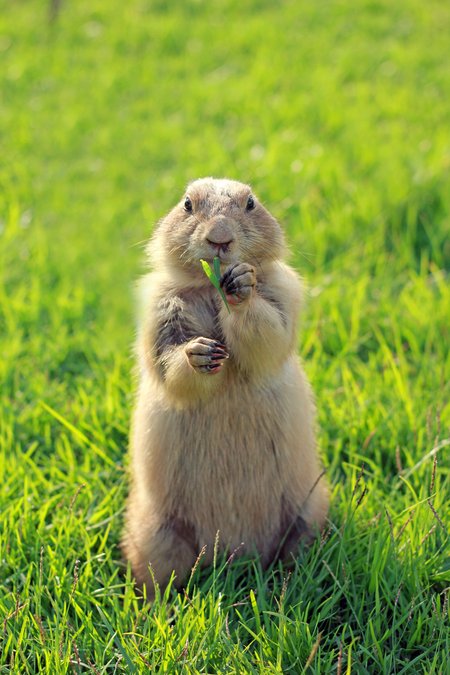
(338,116)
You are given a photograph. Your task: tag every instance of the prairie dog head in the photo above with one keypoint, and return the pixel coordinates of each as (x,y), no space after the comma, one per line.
(216,217)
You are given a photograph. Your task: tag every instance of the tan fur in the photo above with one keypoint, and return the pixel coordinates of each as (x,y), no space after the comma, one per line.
(229,451)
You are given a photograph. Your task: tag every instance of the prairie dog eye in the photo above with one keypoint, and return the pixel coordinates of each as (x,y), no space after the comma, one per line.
(250,203)
(187,205)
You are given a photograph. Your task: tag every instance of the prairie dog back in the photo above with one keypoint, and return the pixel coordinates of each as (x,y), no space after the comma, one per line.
(222,437)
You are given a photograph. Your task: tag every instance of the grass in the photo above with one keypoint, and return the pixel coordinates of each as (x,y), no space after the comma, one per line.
(214,277)
(338,115)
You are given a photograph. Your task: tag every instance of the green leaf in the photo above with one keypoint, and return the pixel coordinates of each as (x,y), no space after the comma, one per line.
(222,295)
(210,274)
(215,278)
(206,268)
(216,263)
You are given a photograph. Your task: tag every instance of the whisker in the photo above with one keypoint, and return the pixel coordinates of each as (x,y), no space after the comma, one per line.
(309,257)
(143,243)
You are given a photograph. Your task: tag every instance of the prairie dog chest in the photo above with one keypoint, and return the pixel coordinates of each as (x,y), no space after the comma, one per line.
(186,315)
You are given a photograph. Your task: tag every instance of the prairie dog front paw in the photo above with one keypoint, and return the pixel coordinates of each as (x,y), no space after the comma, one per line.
(238,282)
(206,355)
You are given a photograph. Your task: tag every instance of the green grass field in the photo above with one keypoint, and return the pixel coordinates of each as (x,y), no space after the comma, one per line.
(338,114)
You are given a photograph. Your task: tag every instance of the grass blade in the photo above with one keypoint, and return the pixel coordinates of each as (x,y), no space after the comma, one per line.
(216,263)
(214,278)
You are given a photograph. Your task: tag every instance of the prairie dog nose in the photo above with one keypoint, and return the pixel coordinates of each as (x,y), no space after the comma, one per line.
(219,244)
(220,234)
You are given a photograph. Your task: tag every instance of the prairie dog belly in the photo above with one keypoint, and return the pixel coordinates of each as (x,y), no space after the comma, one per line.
(199,463)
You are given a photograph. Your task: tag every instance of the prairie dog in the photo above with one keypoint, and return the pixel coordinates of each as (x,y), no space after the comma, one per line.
(222,436)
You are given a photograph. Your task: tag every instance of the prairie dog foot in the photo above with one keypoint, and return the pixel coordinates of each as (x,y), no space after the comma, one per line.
(171,547)
(206,355)
(238,282)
